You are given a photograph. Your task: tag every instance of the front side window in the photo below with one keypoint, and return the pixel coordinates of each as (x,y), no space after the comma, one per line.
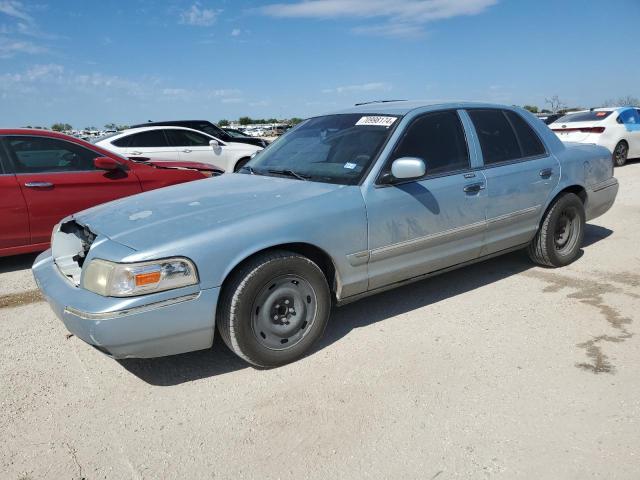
(497,139)
(150,139)
(42,154)
(186,138)
(438,139)
(332,149)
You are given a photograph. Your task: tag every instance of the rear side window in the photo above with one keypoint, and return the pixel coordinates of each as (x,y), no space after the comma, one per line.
(497,139)
(591,116)
(122,142)
(529,141)
(437,138)
(630,117)
(185,138)
(42,155)
(150,139)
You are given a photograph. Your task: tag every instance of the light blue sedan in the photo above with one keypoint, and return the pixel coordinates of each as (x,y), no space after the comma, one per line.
(343,206)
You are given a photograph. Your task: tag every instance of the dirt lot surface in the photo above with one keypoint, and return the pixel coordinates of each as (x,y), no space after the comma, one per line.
(499,370)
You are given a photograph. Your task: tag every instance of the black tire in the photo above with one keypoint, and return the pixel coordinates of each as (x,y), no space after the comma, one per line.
(241,163)
(559,238)
(620,154)
(258,290)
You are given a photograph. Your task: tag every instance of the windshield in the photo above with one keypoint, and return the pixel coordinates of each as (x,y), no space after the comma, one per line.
(333,149)
(594,115)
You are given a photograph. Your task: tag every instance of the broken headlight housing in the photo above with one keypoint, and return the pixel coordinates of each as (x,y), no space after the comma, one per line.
(111,279)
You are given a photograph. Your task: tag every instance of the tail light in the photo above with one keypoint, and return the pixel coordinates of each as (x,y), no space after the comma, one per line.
(581,130)
(592,130)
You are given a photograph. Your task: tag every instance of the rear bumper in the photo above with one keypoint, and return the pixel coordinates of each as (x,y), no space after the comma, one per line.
(155,325)
(600,198)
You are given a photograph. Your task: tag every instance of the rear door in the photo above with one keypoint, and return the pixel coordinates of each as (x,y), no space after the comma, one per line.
(631,120)
(14,227)
(58,178)
(152,144)
(520,176)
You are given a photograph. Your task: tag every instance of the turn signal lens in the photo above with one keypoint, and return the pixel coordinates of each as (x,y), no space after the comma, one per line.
(143,279)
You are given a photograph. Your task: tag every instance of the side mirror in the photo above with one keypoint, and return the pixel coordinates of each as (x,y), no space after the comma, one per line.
(214,143)
(107,163)
(405,168)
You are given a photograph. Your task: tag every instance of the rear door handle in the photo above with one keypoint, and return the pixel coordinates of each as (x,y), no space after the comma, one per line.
(186,150)
(473,187)
(38,184)
(546,172)
(136,153)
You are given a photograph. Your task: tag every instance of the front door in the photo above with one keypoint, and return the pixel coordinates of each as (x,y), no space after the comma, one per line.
(57,178)
(431,223)
(520,173)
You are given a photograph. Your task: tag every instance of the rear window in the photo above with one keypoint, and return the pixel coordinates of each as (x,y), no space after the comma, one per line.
(150,139)
(594,116)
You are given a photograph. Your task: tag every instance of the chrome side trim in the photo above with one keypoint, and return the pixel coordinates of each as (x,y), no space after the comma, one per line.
(512,215)
(602,185)
(359,258)
(416,244)
(130,311)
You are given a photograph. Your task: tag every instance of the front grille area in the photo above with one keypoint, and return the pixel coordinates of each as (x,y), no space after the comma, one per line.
(70,246)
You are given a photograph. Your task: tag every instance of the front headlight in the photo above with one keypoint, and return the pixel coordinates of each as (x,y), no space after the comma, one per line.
(111,279)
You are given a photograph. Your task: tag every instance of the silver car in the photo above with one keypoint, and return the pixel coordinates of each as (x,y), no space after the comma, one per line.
(342,206)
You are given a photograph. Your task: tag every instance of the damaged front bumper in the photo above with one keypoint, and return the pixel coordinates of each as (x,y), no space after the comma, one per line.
(154,325)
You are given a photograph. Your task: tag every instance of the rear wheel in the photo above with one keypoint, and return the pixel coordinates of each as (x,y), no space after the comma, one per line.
(620,154)
(241,163)
(274,308)
(560,236)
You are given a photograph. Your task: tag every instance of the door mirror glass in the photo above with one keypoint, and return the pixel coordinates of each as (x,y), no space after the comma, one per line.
(408,167)
(106,163)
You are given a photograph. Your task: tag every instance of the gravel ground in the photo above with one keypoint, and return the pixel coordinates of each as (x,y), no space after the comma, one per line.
(499,370)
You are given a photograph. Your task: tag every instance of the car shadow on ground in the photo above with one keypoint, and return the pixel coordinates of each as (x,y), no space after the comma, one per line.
(219,360)
(17,262)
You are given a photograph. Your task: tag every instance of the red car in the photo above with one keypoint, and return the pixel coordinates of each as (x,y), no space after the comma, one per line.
(45,176)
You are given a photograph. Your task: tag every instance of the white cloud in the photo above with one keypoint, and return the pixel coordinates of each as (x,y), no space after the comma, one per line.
(365,87)
(10,47)
(236,32)
(14,9)
(404,18)
(44,72)
(198,16)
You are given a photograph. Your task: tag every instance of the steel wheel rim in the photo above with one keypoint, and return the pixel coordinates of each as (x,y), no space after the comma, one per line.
(621,153)
(567,231)
(283,312)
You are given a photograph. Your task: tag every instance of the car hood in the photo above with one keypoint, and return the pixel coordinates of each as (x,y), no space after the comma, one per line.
(162,215)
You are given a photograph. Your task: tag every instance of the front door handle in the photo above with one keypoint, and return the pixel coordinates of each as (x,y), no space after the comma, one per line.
(136,153)
(473,187)
(546,173)
(38,184)
(186,150)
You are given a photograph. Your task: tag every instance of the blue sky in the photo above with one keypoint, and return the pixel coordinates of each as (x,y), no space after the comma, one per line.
(88,62)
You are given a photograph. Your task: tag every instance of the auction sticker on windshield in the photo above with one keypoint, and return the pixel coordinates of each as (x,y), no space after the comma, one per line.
(377,121)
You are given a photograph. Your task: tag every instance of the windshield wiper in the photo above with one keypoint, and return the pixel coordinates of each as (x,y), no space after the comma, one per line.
(290,173)
(249,169)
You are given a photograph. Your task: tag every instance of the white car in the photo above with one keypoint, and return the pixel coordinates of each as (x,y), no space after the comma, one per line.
(617,129)
(179,144)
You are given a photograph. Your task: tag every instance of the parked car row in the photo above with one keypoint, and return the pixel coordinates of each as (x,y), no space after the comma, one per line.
(46,176)
(344,206)
(617,129)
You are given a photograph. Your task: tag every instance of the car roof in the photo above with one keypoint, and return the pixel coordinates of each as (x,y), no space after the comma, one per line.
(403,107)
(130,131)
(167,122)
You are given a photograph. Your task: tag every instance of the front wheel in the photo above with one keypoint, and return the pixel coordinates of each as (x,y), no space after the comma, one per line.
(274,308)
(241,163)
(558,240)
(620,154)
